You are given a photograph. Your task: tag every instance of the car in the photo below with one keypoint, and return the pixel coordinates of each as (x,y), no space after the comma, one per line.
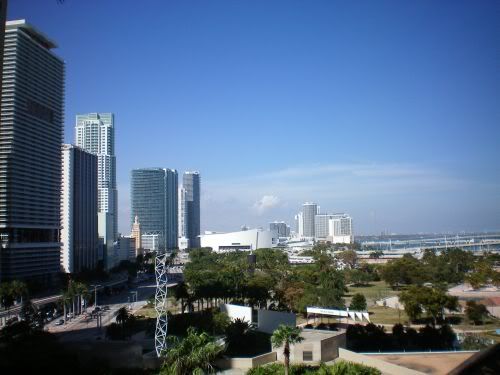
(106,308)
(60,322)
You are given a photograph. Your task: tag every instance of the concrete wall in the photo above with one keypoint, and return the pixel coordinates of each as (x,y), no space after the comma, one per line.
(237,312)
(246,363)
(323,348)
(330,347)
(269,320)
(384,367)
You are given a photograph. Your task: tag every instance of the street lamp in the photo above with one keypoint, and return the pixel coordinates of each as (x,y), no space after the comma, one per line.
(95,293)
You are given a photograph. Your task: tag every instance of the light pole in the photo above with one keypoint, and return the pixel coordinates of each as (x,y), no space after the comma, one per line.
(95,294)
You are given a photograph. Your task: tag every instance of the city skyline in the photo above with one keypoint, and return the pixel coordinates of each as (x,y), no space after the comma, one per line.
(396,121)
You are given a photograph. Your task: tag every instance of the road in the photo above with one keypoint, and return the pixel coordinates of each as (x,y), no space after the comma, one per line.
(81,328)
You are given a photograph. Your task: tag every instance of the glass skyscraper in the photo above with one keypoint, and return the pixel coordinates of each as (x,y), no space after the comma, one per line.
(31,131)
(191,205)
(153,199)
(79,234)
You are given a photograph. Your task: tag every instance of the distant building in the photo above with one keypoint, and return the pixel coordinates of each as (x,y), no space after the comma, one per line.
(182,221)
(95,133)
(31,133)
(322,226)
(281,228)
(340,229)
(309,212)
(125,248)
(247,240)
(79,232)
(136,234)
(153,195)
(183,243)
(151,241)
(191,184)
(299,225)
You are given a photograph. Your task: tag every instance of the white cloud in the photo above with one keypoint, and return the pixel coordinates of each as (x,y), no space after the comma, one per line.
(266,203)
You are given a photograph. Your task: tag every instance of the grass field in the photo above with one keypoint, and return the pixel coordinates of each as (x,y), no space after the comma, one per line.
(386,315)
(149,311)
(375,291)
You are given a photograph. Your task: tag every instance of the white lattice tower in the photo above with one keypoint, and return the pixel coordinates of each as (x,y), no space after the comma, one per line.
(161,267)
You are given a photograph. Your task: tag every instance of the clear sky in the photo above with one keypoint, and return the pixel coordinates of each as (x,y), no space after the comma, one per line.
(387,110)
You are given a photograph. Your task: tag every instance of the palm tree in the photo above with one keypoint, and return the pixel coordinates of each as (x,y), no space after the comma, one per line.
(65,298)
(19,289)
(123,316)
(195,354)
(286,336)
(6,297)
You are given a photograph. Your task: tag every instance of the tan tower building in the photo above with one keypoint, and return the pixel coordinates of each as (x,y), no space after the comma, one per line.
(136,233)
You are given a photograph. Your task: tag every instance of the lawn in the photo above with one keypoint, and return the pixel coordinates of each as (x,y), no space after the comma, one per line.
(463,324)
(149,311)
(386,315)
(374,291)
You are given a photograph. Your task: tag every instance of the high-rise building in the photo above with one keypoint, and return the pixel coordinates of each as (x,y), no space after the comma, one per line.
(340,228)
(3,15)
(153,195)
(136,234)
(321,225)
(95,133)
(182,232)
(31,130)
(191,184)
(299,225)
(309,212)
(281,228)
(79,234)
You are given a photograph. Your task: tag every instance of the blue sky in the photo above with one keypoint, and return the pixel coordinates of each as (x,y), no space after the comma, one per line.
(387,110)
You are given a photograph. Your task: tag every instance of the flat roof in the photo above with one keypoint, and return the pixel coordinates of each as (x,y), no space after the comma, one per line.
(36,34)
(319,335)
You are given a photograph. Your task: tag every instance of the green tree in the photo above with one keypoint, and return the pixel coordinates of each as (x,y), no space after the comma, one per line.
(358,302)
(6,296)
(476,312)
(349,258)
(417,299)
(286,336)
(404,271)
(31,315)
(195,354)
(376,254)
(122,317)
(19,289)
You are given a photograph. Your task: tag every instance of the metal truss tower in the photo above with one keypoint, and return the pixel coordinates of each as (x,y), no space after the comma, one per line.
(161,267)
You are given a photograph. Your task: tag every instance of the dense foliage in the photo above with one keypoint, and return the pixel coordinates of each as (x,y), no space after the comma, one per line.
(212,278)
(451,266)
(194,354)
(373,338)
(339,368)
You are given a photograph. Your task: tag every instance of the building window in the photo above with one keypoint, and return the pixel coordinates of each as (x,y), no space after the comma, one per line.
(307,356)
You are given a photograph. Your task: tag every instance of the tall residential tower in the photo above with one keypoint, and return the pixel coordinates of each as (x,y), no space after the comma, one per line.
(95,133)
(191,215)
(31,130)
(153,196)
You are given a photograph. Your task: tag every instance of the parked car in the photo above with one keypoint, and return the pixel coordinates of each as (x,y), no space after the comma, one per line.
(60,322)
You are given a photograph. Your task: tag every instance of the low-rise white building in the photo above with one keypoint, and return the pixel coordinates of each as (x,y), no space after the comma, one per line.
(246,240)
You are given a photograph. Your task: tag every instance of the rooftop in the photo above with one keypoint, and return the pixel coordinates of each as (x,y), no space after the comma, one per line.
(37,35)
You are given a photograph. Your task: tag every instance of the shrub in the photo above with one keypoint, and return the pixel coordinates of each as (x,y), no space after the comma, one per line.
(339,368)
